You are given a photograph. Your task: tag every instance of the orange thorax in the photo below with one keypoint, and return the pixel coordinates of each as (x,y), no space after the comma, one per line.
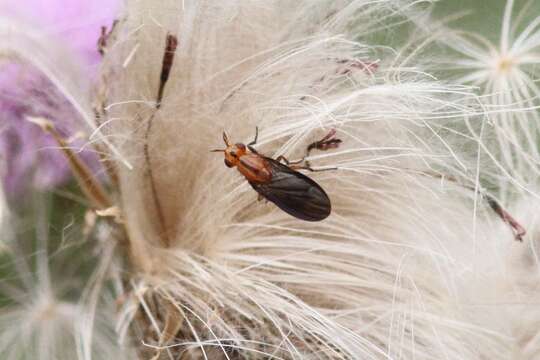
(255,168)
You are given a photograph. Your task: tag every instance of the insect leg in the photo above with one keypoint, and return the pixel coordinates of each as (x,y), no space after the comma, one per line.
(256,136)
(250,147)
(327,142)
(295,165)
(309,168)
(289,162)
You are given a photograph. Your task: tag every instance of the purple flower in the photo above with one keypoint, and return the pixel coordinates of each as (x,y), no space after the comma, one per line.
(28,156)
(77,23)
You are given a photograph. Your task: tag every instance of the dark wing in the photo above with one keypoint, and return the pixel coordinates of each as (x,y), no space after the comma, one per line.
(294,193)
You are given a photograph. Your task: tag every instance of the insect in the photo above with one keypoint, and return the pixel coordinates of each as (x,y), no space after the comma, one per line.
(280,183)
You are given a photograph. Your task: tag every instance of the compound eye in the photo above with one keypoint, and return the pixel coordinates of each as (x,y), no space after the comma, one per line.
(228,164)
(233,154)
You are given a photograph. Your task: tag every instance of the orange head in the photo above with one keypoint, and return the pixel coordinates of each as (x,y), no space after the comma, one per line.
(233,152)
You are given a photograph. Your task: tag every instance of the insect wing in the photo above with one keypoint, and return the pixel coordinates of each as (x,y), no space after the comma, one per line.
(294,193)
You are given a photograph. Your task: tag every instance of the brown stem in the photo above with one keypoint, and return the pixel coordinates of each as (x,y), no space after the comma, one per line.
(157,204)
(518,230)
(107,163)
(168,59)
(88,183)
(104,38)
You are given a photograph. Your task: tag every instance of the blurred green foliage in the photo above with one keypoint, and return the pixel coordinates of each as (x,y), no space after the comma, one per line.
(59,217)
(485,16)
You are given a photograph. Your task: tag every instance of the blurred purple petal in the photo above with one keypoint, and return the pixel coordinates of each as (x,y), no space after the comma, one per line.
(28,156)
(77,23)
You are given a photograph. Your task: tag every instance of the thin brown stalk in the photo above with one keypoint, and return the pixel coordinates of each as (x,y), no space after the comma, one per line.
(517,229)
(168,59)
(89,184)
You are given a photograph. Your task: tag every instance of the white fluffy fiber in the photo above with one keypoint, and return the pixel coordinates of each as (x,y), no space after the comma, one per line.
(411,264)
(408,266)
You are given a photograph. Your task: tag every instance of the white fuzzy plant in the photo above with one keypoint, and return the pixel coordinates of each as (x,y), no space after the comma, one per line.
(411,264)
(506,75)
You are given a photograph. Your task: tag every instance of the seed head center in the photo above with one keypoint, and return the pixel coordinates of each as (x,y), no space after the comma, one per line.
(505,65)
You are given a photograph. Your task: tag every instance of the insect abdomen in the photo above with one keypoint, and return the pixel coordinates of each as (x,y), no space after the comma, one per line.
(294,193)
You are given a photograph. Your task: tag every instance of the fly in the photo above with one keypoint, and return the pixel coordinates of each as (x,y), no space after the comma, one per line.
(277,179)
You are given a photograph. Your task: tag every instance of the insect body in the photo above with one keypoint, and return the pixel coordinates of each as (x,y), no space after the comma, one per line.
(290,190)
